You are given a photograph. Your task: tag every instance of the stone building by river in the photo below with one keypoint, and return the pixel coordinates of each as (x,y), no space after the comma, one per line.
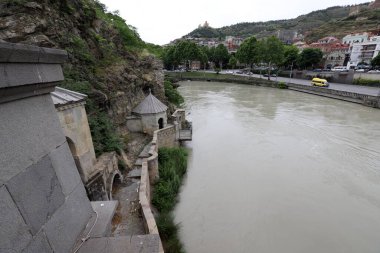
(150,115)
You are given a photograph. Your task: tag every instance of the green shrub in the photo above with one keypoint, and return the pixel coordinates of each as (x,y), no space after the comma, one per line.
(172,164)
(282,85)
(367,82)
(169,233)
(172,94)
(122,165)
(172,167)
(104,135)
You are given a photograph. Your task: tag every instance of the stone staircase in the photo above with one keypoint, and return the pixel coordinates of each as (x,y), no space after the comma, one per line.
(136,172)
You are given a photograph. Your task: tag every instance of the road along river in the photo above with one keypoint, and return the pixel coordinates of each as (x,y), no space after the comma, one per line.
(274,171)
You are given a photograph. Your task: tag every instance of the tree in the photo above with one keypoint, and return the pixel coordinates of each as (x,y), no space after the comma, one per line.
(221,55)
(309,57)
(290,56)
(186,52)
(203,58)
(376,61)
(272,52)
(169,58)
(232,62)
(248,52)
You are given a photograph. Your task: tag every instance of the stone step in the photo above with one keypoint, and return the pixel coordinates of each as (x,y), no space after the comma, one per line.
(138,162)
(145,152)
(135,173)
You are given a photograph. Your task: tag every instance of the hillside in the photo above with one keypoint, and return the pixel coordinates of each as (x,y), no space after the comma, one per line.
(107,59)
(333,21)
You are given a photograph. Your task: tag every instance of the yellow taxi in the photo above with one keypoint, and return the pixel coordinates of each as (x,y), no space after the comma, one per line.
(319,82)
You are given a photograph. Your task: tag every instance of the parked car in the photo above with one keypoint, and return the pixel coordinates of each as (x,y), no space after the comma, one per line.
(272,75)
(339,69)
(319,82)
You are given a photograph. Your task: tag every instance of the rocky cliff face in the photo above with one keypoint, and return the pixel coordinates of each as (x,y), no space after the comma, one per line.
(375,4)
(106,57)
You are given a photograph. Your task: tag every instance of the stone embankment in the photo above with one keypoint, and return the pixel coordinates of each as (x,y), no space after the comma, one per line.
(367,100)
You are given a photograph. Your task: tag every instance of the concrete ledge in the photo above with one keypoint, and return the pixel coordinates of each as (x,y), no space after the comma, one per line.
(122,244)
(17,74)
(21,53)
(105,211)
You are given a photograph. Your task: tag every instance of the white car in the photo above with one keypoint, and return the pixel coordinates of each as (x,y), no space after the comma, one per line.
(339,69)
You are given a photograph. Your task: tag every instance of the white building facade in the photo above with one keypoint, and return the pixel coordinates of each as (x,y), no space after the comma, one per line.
(364,51)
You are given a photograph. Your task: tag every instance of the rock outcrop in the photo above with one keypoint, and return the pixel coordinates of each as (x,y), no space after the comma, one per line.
(106,57)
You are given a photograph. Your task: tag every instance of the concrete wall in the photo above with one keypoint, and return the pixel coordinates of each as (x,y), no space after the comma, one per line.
(43,203)
(367,100)
(370,76)
(337,77)
(75,126)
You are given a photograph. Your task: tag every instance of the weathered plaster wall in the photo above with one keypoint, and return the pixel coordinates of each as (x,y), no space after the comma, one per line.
(75,126)
(134,124)
(150,122)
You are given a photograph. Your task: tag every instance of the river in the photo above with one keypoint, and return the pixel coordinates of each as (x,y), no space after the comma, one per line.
(274,171)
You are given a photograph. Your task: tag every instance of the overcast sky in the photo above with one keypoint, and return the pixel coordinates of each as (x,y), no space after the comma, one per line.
(161,21)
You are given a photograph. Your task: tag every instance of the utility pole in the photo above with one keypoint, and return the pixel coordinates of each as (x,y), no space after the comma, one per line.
(291,73)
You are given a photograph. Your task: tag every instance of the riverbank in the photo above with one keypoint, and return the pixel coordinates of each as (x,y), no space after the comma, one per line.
(172,164)
(349,96)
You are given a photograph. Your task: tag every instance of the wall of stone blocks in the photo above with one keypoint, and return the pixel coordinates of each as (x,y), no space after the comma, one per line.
(167,137)
(43,203)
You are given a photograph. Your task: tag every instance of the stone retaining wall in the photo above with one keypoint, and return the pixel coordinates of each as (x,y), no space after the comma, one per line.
(166,137)
(367,100)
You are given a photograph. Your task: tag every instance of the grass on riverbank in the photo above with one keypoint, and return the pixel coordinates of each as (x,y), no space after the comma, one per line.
(172,164)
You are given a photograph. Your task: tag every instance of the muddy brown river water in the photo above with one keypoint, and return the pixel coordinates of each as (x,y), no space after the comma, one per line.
(277,171)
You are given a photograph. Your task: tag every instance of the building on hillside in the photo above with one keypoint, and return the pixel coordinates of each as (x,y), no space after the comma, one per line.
(325,44)
(364,52)
(232,43)
(98,175)
(287,36)
(352,39)
(335,53)
(300,45)
(149,116)
(338,55)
